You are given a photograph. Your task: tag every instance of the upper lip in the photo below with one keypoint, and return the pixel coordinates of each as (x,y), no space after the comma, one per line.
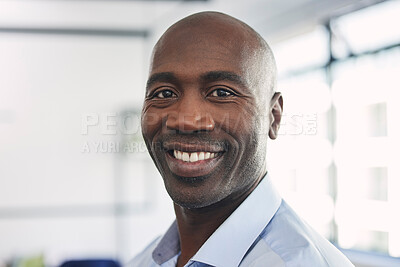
(193,147)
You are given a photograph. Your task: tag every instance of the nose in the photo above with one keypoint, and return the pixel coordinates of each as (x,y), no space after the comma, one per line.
(189,117)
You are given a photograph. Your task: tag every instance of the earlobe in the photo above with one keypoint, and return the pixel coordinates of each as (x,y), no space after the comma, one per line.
(275,115)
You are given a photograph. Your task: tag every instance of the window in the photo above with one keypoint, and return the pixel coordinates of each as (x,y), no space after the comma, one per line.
(345,167)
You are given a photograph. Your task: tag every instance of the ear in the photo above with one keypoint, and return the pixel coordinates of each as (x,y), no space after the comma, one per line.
(275,115)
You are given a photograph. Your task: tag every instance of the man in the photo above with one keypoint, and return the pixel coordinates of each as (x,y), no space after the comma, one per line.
(210,106)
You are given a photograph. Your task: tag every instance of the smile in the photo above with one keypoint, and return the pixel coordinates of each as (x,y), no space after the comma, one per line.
(193,156)
(190,161)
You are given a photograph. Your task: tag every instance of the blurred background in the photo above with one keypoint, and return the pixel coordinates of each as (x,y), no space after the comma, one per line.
(76,181)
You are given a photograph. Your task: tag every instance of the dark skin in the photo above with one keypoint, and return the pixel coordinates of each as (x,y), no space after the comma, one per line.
(210,89)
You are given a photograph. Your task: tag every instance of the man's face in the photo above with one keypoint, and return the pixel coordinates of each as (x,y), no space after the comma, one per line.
(201,117)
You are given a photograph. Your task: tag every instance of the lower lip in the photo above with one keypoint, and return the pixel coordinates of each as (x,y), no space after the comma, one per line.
(192,169)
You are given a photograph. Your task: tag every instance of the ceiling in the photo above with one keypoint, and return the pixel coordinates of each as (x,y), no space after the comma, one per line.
(274,19)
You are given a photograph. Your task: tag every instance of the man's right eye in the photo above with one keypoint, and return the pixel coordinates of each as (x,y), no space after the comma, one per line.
(165,94)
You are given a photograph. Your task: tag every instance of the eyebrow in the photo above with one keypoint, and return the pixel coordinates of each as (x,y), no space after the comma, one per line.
(212,76)
(168,77)
(215,76)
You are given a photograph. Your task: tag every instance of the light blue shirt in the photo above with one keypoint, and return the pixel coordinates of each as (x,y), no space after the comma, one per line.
(262,231)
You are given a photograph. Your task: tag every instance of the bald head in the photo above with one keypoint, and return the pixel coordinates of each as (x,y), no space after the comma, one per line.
(205,29)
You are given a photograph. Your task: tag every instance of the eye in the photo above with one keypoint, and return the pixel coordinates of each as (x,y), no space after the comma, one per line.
(165,94)
(221,93)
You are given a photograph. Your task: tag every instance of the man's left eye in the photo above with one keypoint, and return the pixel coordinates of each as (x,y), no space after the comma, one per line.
(165,94)
(221,93)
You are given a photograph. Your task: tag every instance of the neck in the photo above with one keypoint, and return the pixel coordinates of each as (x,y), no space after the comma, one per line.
(197,225)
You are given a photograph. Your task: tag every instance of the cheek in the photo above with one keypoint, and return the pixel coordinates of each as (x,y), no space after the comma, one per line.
(239,122)
(151,122)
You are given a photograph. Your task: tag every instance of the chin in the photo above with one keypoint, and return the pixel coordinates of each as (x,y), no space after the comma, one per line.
(190,203)
(194,198)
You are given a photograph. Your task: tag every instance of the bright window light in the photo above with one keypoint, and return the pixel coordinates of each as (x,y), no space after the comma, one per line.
(348,169)
(370,28)
(306,50)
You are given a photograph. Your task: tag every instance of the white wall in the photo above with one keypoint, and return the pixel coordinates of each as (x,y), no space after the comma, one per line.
(56,198)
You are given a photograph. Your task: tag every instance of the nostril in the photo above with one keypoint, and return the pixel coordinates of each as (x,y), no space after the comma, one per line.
(189,123)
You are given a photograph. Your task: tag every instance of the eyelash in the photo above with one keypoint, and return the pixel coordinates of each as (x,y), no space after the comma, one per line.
(158,94)
(229,92)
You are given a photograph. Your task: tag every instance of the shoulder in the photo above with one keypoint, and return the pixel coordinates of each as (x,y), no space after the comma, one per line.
(144,258)
(289,241)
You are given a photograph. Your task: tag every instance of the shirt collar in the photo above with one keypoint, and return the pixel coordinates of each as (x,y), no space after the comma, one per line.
(229,243)
(169,245)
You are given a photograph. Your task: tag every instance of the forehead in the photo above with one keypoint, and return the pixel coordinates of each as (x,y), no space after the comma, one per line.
(196,50)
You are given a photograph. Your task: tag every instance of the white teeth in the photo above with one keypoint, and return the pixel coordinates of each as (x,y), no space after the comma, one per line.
(193,157)
(185,156)
(201,156)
